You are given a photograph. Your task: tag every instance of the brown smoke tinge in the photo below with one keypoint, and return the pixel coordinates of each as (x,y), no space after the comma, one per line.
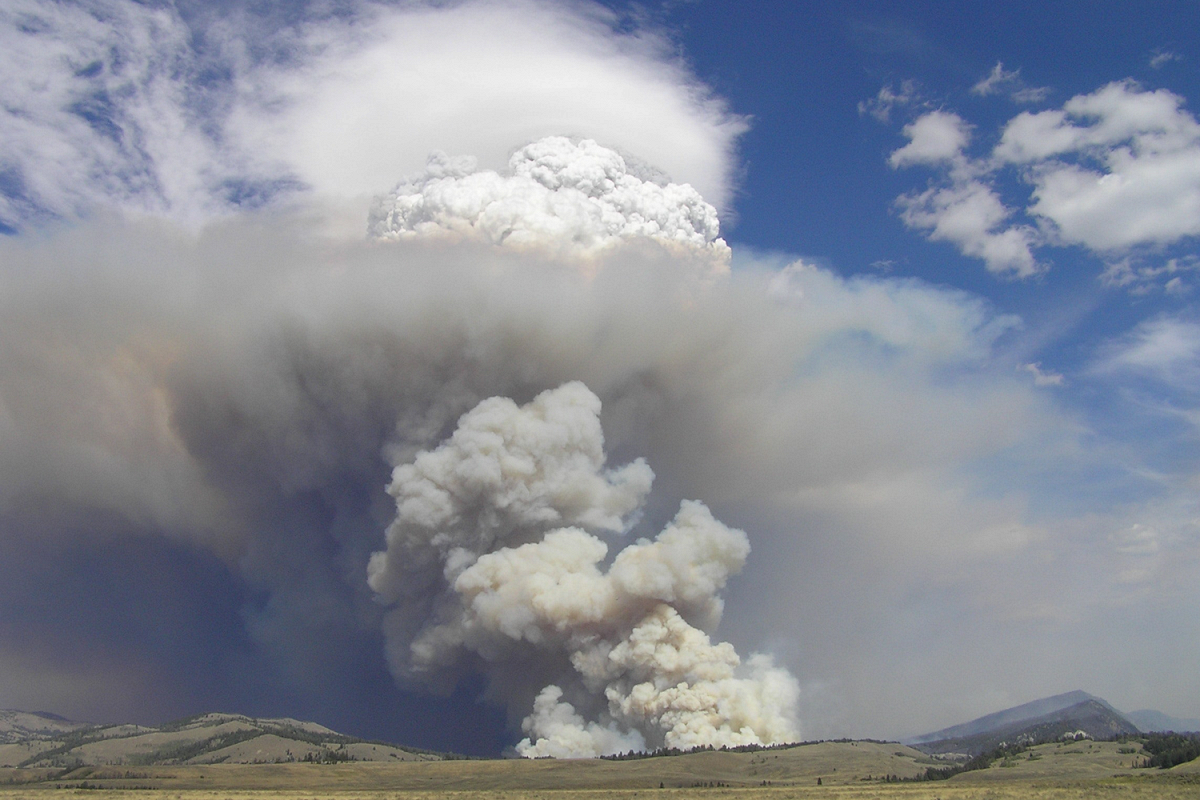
(480,560)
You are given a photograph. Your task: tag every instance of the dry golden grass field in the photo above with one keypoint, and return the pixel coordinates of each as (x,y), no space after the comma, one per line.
(848,771)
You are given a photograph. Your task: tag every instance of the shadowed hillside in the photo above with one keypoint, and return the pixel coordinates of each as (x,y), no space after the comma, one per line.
(40,741)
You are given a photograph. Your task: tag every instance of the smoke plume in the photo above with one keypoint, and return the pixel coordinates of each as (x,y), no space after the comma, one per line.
(211,367)
(493,557)
(247,390)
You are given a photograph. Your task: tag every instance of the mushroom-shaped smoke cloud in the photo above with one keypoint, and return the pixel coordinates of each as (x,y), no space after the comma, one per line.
(560,196)
(493,563)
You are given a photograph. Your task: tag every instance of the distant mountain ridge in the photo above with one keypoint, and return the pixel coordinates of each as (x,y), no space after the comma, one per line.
(1000,719)
(49,741)
(1037,721)
(1149,721)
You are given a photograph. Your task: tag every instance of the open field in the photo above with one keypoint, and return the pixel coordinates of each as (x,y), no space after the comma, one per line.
(848,770)
(1141,789)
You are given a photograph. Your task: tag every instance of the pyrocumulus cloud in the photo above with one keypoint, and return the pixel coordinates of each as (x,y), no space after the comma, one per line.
(562,197)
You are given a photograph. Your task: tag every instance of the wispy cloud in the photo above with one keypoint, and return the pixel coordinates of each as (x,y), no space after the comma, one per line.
(1030,94)
(888,99)
(117,106)
(1166,347)
(1002,81)
(1143,274)
(1043,377)
(1163,57)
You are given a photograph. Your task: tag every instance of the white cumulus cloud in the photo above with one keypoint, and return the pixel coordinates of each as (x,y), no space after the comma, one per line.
(964,208)
(1114,170)
(934,138)
(1137,177)
(971,215)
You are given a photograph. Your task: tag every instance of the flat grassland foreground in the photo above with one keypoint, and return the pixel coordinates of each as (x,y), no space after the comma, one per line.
(848,770)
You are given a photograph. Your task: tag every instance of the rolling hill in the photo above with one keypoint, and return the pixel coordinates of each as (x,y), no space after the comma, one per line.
(240,756)
(845,769)
(20,726)
(43,741)
(46,741)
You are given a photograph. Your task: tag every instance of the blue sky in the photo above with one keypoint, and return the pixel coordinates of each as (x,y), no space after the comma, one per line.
(817,180)
(941,364)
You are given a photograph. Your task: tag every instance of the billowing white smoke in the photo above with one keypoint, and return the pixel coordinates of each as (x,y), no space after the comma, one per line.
(559,196)
(490,558)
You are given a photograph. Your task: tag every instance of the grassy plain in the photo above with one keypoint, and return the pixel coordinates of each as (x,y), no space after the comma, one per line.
(1152,789)
(848,771)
